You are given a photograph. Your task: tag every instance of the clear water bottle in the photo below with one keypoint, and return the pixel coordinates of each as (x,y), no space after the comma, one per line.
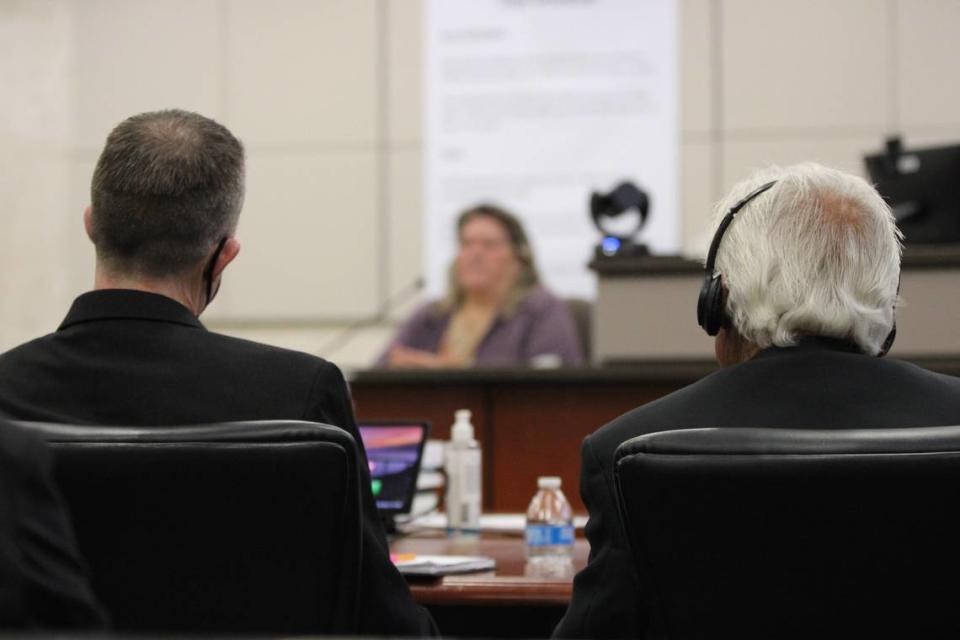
(550,531)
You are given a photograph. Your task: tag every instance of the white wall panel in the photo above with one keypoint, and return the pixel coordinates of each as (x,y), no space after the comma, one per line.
(139,55)
(802,65)
(308,238)
(924,136)
(846,153)
(36,40)
(929,62)
(78,251)
(404,19)
(405,207)
(302,72)
(697,196)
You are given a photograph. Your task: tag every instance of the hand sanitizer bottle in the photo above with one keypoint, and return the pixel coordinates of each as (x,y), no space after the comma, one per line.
(464,477)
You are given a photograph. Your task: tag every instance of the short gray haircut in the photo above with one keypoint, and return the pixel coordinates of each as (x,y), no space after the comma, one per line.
(818,254)
(167,188)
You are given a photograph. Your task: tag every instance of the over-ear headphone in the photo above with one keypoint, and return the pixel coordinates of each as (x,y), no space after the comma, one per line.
(711,304)
(712,301)
(888,341)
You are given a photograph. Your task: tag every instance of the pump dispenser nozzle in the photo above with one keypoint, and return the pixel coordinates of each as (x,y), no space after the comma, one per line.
(462,430)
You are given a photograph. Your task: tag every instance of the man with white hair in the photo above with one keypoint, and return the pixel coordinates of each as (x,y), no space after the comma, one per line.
(800,290)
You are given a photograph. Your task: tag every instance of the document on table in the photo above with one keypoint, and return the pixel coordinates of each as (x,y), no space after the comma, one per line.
(506,523)
(435,565)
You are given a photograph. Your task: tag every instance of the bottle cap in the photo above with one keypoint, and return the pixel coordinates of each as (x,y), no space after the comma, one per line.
(462,430)
(548,482)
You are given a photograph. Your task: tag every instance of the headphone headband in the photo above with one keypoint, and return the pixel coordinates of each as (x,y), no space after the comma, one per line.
(727,219)
(712,299)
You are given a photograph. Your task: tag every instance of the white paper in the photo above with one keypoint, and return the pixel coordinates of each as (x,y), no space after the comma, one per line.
(533,104)
(438,565)
(489,522)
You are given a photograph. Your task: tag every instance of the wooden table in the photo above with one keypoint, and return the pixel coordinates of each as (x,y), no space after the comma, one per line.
(506,602)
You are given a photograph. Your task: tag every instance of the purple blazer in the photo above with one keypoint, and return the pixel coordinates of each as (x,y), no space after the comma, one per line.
(541,325)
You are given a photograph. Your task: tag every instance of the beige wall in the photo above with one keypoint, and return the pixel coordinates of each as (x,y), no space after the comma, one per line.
(326,96)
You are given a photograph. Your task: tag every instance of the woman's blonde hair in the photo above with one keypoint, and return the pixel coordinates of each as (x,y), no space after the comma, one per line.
(519,243)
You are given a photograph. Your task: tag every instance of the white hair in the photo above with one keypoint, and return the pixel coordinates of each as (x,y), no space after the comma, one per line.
(818,254)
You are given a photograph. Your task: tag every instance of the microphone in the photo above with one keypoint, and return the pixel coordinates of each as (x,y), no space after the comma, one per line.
(348,333)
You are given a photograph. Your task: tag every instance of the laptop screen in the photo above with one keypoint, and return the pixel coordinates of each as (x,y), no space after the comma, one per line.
(394,452)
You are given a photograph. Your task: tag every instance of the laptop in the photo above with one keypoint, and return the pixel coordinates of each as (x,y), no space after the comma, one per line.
(394,452)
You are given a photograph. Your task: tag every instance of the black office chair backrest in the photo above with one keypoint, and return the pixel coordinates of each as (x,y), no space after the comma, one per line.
(582,312)
(792,533)
(235,527)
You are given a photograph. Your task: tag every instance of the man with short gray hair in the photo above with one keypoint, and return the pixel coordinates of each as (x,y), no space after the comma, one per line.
(165,199)
(800,290)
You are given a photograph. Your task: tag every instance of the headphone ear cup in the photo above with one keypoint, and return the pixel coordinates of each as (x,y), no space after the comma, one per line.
(713,297)
(702,303)
(888,343)
(710,305)
(717,304)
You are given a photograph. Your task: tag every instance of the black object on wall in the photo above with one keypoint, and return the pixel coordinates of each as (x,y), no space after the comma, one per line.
(923,188)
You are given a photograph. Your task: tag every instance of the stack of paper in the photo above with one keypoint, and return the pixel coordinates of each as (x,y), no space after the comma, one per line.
(427,565)
(506,523)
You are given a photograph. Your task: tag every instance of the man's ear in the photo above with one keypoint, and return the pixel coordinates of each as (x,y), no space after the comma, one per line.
(88,221)
(230,250)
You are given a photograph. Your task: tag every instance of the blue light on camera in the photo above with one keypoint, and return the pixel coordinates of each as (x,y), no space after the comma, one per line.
(610,245)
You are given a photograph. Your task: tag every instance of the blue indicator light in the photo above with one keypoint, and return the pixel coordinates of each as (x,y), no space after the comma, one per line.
(610,245)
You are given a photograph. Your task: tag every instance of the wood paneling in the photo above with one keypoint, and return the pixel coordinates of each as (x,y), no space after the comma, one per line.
(538,429)
(528,424)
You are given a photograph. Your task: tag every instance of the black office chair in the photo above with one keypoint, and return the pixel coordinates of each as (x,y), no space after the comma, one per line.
(235,527)
(793,533)
(582,312)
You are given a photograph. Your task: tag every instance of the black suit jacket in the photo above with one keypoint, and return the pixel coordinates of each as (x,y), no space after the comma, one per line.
(133,358)
(43,583)
(819,384)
